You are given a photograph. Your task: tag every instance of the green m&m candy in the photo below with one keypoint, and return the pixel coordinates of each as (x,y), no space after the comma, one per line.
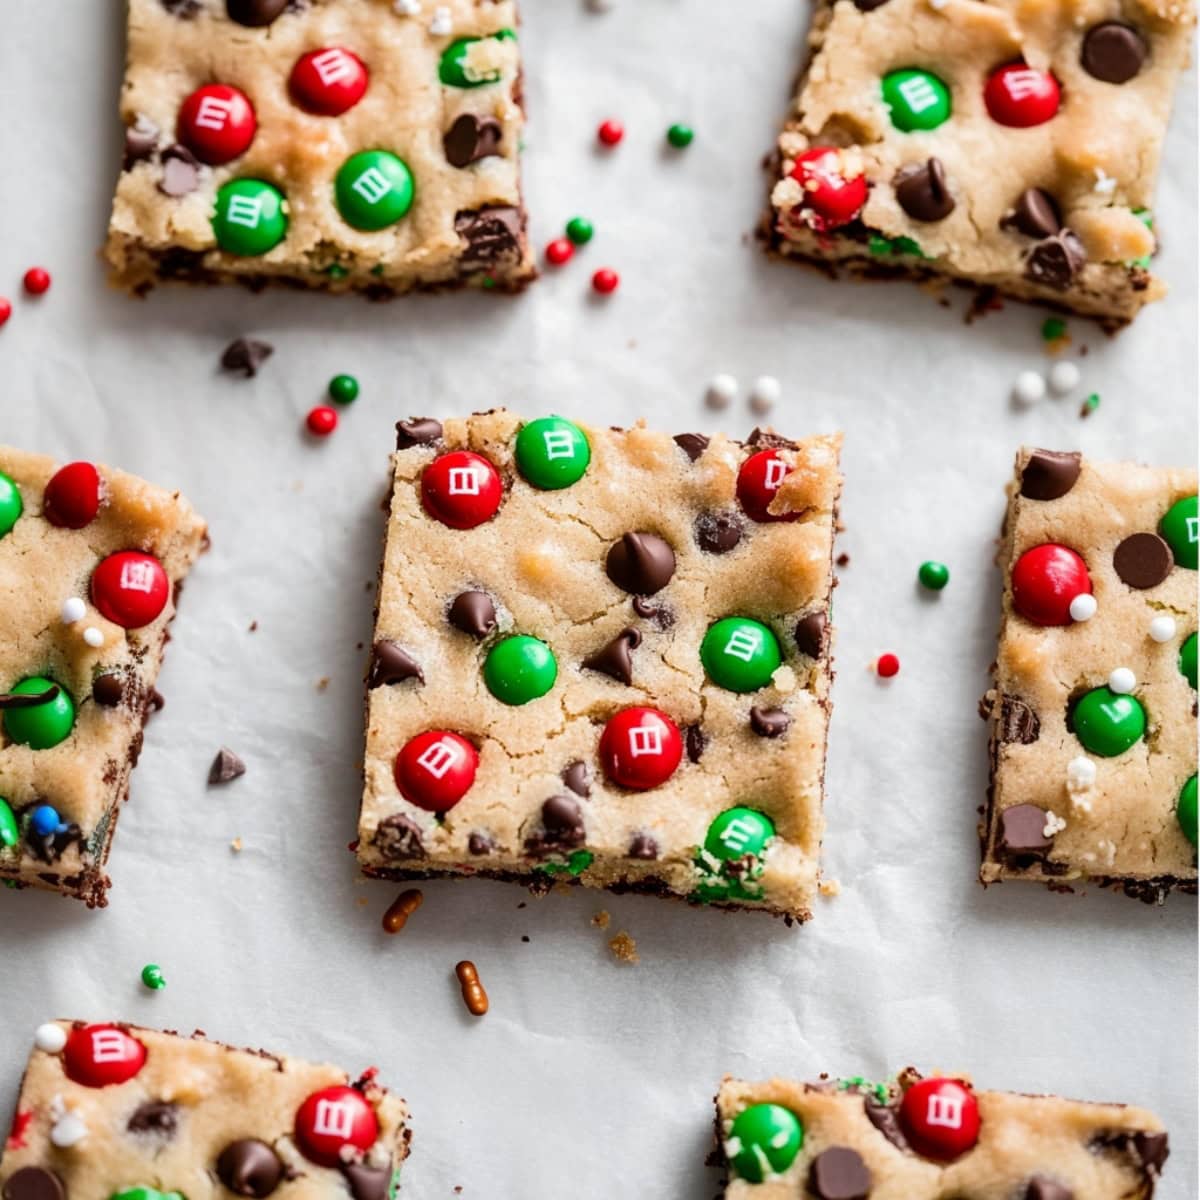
(250,217)
(916,99)
(1108,722)
(142,1192)
(1186,810)
(1187,659)
(740,654)
(453,69)
(11,505)
(1179,527)
(40,726)
(373,189)
(9,833)
(764,1141)
(737,832)
(520,669)
(552,453)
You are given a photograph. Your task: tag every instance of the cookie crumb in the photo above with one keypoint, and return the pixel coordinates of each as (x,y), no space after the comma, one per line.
(624,949)
(322,683)
(236,845)
(253,627)
(843,560)
(829,887)
(601,919)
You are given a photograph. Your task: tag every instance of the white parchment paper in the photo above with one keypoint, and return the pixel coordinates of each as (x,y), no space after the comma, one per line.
(587,1078)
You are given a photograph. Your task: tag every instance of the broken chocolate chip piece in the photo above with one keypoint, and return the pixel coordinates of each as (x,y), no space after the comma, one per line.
(473,613)
(417,431)
(885,1118)
(141,140)
(1113,52)
(1049,474)
(225,767)
(562,824)
(578,777)
(249,1167)
(398,836)
(180,172)
(719,532)
(641,563)
(11,700)
(922,191)
(33,1183)
(811,634)
(839,1173)
(643,846)
(480,844)
(1055,261)
(769,722)
(1143,560)
(490,234)
(1018,722)
(692,444)
(1022,832)
(694,743)
(1041,1187)
(392,664)
(155,1116)
(616,658)
(108,690)
(367,1183)
(1035,214)
(471,138)
(246,355)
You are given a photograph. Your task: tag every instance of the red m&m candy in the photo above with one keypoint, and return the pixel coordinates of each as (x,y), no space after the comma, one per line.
(1020,96)
(940,1118)
(334,1118)
(99,1055)
(831,197)
(328,82)
(758,481)
(1044,582)
(461,489)
(435,770)
(216,123)
(72,497)
(640,748)
(130,588)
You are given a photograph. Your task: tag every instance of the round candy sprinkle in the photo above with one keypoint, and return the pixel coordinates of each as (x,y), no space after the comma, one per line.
(1186,810)
(152,977)
(436,769)
(640,748)
(10,834)
(1122,681)
(5,309)
(1063,377)
(50,1038)
(1187,659)
(1107,723)
(373,189)
(99,1055)
(940,1118)
(552,453)
(580,230)
(321,420)
(45,821)
(332,1120)
(250,217)
(740,654)
(680,136)
(94,637)
(216,123)
(1083,607)
(933,575)
(1019,96)
(1028,388)
(737,832)
(887,665)
(765,393)
(11,505)
(41,725)
(519,669)
(915,99)
(610,132)
(1044,582)
(1162,628)
(72,497)
(461,489)
(605,281)
(328,82)
(759,478)
(130,588)
(721,391)
(36,281)
(764,1140)
(559,251)
(453,70)
(830,198)
(1179,527)
(343,389)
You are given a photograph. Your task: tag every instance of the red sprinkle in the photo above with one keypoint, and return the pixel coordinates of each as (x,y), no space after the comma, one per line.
(5,310)
(37,281)
(610,132)
(321,421)
(560,251)
(605,281)
(887,665)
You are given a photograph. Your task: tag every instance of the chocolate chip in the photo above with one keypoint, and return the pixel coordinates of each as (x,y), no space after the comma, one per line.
(1055,261)
(616,659)
(391,664)
(490,234)
(1035,214)
(34,1183)
(1041,1187)
(694,743)
(869,5)
(1151,1149)
(1018,721)
(480,844)
(660,614)
(398,836)
(473,613)
(249,1167)
(1021,833)
(141,139)
(811,634)
(155,702)
(255,13)
(246,355)
(692,444)
(225,767)
(922,191)
(1049,474)
(885,1118)
(155,1116)
(181,171)
(367,1183)
(1113,52)
(769,439)
(769,722)
(643,846)
(839,1173)
(1143,560)
(578,777)
(471,138)
(562,823)
(718,533)
(28,700)
(417,431)
(641,563)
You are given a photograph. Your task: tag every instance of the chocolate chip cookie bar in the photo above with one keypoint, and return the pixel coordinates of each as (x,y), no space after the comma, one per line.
(343,145)
(917,1138)
(115,1112)
(91,563)
(602,656)
(1006,146)
(1093,706)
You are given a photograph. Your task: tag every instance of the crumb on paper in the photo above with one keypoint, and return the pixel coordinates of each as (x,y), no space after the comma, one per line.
(843,559)
(624,949)
(322,683)
(829,887)
(524,937)
(236,845)
(360,900)
(253,627)
(601,919)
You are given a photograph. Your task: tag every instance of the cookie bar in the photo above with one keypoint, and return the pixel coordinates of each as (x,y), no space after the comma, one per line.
(91,562)
(344,145)
(1093,706)
(917,1138)
(115,1112)
(1009,146)
(602,656)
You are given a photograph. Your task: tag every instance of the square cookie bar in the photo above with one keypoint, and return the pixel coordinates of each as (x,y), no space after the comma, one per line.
(997,143)
(345,145)
(1093,706)
(917,1138)
(116,1112)
(91,562)
(602,656)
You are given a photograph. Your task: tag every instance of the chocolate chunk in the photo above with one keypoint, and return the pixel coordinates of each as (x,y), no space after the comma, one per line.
(141,139)
(249,1167)
(769,722)
(1113,52)
(155,1116)
(718,533)
(770,440)
(28,700)
(108,690)
(692,444)
(471,138)
(694,743)
(1143,560)
(839,1173)
(1041,1187)
(480,844)
(367,1183)
(490,234)
(885,1118)
(869,5)
(578,777)
(811,634)
(641,563)
(225,767)
(1049,474)
(246,355)
(922,191)
(1035,214)
(391,664)
(1021,833)
(616,659)
(399,836)
(1055,261)
(562,823)
(1018,722)
(417,431)
(643,846)
(34,1183)
(181,171)
(1152,1150)
(155,702)
(255,13)
(473,613)
(660,614)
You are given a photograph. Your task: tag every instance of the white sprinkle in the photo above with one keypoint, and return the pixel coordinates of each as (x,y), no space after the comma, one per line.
(93,637)
(406,8)
(1122,681)
(1083,607)
(441,23)
(721,391)
(49,1037)
(1054,824)
(1063,378)
(765,393)
(1081,772)
(73,609)
(938,5)
(1162,629)
(67,1131)
(1105,184)
(1028,388)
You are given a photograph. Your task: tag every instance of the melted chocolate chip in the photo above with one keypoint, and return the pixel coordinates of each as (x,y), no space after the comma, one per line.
(643,846)
(180,172)
(29,699)
(1055,261)
(839,1173)
(391,664)
(226,767)
(398,836)
(694,743)
(471,138)
(417,431)
(562,824)
(811,634)
(246,355)
(1113,52)
(1143,560)
(159,1117)
(1018,722)
(1041,1187)
(34,1183)
(769,722)
(141,140)
(660,614)
(249,1167)
(108,690)
(578,777)
(885,1118)
(367,1183)
(1048,474)
(718,533)
(1035,214)
(641,563)
(616,659)
(255,13)
(490,234)
(692,444)
(1147,1150)
(480,844)
(922,191)
(473,613)
(1021,832)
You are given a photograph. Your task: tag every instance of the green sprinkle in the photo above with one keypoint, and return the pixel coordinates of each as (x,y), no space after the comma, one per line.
(906,245)
(933,575)
(377,270)
(152,977)
(878,245)
(680,136)
(878,1090)
(1053,328)
(578,862)
(580,230)
(336,271)
(487,282)
(343,389)
(1090,405)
